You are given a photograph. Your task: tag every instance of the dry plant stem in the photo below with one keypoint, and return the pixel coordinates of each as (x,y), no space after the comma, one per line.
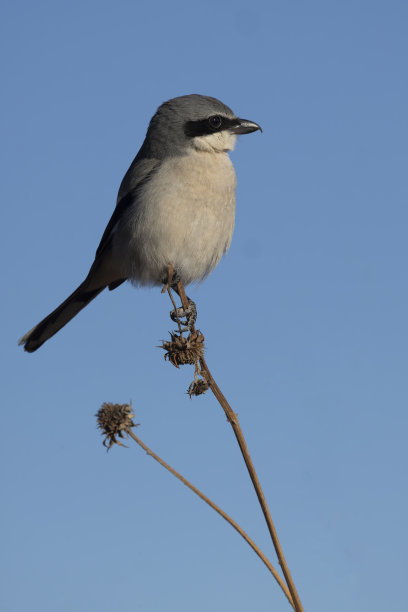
(220,511)
(233,419)
(175,308)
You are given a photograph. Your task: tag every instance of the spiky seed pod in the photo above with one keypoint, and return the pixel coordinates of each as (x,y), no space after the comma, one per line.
(198,387)
(181,350)
(115,420)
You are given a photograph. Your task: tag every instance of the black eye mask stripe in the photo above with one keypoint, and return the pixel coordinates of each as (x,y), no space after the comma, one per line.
(204,127)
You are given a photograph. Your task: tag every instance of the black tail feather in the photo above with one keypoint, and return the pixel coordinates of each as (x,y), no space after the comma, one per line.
(49,326)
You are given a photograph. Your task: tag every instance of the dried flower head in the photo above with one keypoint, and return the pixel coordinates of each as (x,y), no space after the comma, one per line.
(115,420)
(198,387)
(181,350)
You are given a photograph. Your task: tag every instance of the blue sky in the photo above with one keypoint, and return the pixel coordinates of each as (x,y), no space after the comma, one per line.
(305,319)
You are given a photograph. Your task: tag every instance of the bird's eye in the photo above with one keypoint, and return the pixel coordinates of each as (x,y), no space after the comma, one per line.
(215,122)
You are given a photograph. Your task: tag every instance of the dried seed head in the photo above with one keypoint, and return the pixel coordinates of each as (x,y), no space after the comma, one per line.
(181,350)
(115,420)
(198,387)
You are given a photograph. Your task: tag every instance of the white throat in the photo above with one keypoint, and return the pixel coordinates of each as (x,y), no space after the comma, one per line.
(219,142)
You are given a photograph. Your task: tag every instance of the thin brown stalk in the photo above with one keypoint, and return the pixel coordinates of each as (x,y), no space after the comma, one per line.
(174,306)
(221,512)
(232,417)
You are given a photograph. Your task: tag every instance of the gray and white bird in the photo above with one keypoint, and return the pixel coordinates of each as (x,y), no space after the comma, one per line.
(176,205)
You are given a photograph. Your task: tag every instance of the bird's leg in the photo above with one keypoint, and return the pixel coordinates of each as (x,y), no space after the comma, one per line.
(171,280)
(189,313)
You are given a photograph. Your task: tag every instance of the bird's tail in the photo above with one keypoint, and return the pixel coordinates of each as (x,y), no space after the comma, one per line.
(66,311)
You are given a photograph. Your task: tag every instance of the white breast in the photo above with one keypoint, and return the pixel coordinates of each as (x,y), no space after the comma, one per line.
(184,216)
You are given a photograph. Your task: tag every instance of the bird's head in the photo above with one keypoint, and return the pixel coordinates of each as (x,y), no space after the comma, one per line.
(194,122)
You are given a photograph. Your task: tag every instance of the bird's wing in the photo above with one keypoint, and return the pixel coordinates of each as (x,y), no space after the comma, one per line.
(139,172)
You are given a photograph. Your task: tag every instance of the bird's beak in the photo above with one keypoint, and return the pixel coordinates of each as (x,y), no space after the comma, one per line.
(244,126)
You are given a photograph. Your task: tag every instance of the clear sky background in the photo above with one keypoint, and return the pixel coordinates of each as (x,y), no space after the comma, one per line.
(305,320)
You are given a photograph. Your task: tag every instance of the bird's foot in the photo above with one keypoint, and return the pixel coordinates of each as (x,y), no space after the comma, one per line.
(189,314)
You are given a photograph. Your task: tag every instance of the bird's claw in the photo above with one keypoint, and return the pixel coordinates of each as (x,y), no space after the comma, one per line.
(189,314)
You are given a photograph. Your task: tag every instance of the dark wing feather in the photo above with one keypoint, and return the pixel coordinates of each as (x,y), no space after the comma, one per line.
(138,174)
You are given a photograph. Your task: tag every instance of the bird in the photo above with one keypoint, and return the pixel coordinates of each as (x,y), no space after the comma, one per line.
(175,207)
